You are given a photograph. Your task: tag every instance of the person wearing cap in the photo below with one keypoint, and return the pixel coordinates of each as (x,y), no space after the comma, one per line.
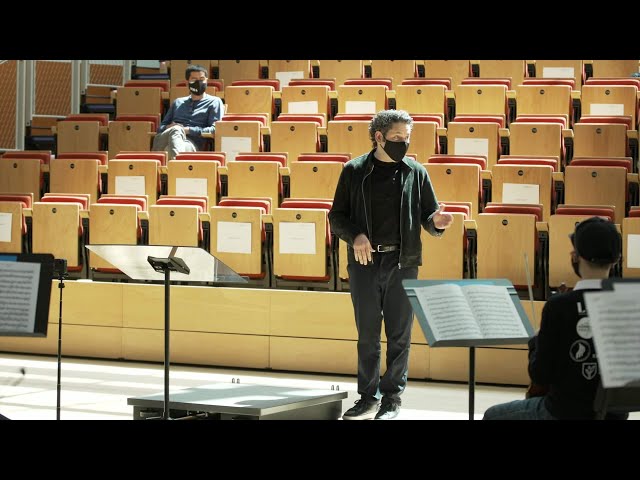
(562,355)
(382,202)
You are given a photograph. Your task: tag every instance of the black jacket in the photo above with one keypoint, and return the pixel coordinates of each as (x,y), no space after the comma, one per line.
(351,212)
(563,357)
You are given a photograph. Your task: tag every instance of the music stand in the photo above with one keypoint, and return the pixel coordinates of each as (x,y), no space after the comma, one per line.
(519,324)
(25,293)
(150,262)
(613,316)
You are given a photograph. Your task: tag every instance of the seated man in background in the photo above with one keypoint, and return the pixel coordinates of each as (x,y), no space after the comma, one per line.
(189,117)
(562,356)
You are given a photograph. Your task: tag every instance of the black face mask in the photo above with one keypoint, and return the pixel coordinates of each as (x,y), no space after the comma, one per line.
(396,150)
(197,87)
(575,264)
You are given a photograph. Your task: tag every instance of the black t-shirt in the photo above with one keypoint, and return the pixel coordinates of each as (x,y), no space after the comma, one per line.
(386,192)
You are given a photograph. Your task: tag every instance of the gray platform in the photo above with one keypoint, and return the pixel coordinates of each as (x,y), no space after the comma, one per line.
(234,401)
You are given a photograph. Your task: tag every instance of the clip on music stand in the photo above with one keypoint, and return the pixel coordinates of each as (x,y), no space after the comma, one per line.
(149,262)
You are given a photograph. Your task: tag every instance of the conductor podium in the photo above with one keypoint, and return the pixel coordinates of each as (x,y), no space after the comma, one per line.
(217,401)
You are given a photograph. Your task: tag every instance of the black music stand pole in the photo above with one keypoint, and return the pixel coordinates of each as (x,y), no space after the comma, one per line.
(60,270)
(472,381)
(166,266)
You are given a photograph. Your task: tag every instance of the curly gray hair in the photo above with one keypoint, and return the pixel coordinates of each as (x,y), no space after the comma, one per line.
(384,120)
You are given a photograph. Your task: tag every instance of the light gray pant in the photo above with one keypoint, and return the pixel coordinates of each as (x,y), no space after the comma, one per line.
(174,141)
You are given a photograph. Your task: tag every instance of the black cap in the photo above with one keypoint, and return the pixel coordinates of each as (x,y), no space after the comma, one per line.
(597,240)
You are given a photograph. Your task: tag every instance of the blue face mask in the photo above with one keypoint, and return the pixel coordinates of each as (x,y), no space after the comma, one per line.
(197,87)
(395,150)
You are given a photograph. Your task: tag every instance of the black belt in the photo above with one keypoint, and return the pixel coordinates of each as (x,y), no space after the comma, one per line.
(385,248)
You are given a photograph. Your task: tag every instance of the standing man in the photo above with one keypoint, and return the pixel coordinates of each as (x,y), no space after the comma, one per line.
(381,201)
(562,356)
(189,117)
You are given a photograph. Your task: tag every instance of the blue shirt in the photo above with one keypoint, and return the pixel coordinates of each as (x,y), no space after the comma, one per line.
(199,115)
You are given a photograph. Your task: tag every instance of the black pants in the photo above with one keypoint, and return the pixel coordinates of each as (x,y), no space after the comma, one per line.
(376,292)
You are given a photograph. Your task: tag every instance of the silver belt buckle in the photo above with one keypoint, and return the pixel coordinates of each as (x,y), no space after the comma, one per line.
(378,249)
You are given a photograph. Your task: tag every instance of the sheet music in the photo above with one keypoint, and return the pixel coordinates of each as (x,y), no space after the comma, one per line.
(232,146)
(18,296)
(355,106)
(303,107)
(5,226)
(297,237)
(558,72)
(191,186)
(472,146)
(234,237)
(606,109)
(448,312)
(526,193)
(130,185)
(615,324)
(495,311)
(633,251)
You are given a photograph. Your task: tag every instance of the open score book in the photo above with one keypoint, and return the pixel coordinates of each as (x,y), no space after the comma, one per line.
(470,312)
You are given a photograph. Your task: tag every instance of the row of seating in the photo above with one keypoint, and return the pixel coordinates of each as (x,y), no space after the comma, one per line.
(292,246)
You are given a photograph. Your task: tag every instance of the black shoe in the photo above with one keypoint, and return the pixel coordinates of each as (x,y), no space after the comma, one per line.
(389,409)
(362,410)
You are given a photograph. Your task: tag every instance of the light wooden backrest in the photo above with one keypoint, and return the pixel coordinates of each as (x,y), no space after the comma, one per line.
(443,257)
(610,100)
(481,99)
(78,136)
(630,248)
(457,70)
(233,137)
(193,177)
(599,140)
(397,70)
(11,229)
(544,100)
(232,70)
(369,99)
(294,138)
(529,184)
(503,239)
(596,185)
(474,138)
(111,224)
(535,139)
(178,92)
(421,98)
(314,179)
(341,69)
(456,183)
(244,255)
(514,69)
(18,175)
(306,99)
(129,136)
(424,140)
(614,68)
(146,173)
(55,230)
(254,179)
(286,259)
(249,99)
(350,136)
(74,176)
(139,101)
(285,70)
(174,225)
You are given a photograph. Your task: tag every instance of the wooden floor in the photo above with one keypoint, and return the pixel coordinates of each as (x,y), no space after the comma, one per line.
(99,389)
